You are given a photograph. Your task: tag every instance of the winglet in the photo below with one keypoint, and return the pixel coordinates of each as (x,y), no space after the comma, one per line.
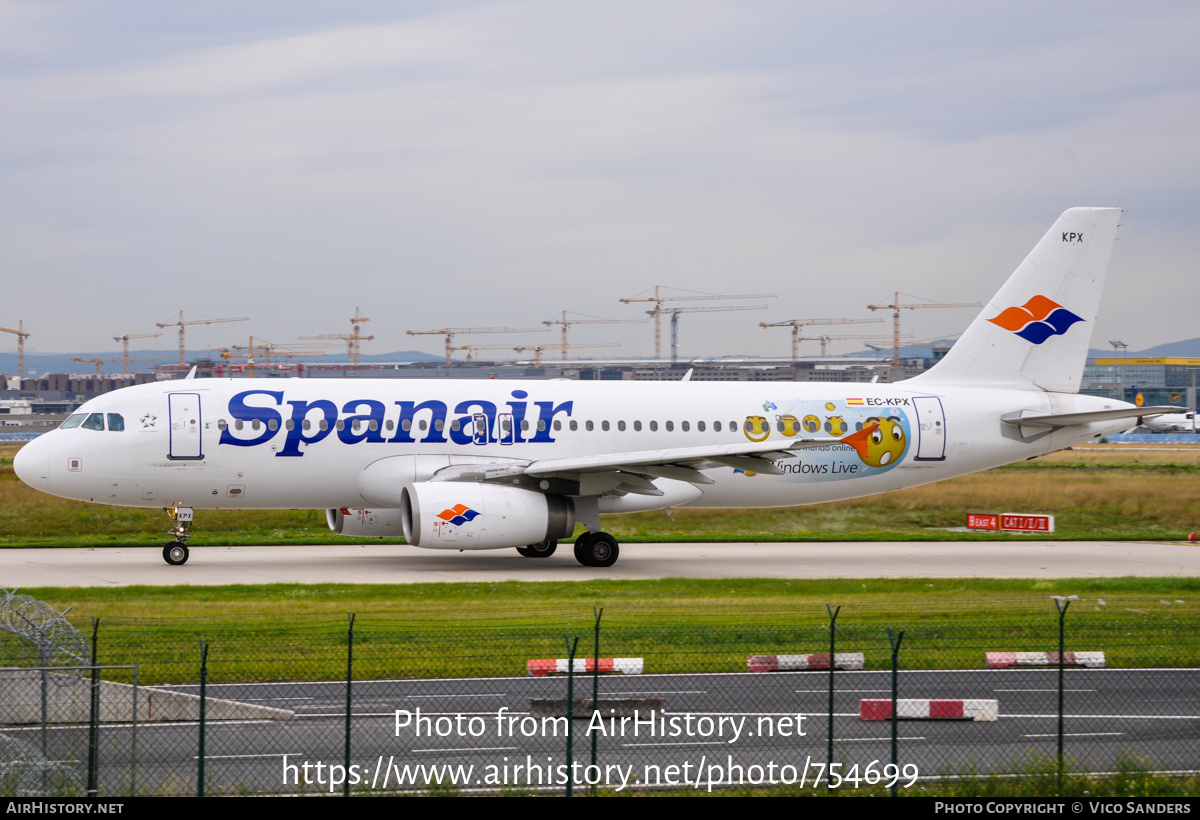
(191,373)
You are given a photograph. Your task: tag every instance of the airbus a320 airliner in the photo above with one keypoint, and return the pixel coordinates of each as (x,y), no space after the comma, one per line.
(470,465)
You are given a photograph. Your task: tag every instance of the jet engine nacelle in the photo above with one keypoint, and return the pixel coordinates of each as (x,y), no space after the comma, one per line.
(380,523)
(471,516)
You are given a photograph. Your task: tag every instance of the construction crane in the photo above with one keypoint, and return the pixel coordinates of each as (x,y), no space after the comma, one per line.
(658,310)
(896,307)
(124,340)
(181,324)
(565,322)
(124,359)
(353,339)
(824,340)
(21,337)
(796,324)
(451,332)
(675,320)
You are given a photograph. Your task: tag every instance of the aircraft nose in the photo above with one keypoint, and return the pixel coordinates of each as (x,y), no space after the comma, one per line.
(32,464)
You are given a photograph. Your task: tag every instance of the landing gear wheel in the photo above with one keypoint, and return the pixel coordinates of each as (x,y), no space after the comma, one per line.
(175,553)
(542,550)
(596,549)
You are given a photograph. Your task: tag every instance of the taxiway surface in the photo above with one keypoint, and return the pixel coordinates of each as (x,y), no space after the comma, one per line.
(375,563)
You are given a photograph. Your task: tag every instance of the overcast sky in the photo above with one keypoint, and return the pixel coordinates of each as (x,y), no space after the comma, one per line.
(493,164)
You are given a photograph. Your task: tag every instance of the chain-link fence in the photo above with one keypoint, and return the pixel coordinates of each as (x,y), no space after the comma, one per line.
(374,704)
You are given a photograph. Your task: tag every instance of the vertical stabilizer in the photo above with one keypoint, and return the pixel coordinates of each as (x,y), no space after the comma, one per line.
(1036,331)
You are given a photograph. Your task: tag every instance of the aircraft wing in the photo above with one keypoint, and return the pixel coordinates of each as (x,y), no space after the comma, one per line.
(1025,418)
(632,471)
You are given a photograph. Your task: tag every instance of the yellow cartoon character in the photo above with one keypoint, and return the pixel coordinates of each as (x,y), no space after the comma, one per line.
(789,425)
(880,443)
(757,428)
(836,426)
(811,423)
(830,406)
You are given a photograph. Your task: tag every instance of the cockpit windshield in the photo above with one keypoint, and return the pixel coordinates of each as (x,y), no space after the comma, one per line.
(95,421)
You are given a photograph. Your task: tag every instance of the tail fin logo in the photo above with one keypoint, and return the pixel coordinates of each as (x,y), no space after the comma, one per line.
(1037,320)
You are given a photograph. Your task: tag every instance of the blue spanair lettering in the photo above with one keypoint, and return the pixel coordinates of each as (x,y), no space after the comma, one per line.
(347,434)
(241,411)
(546,413)
(464,434)
(408,412)
(296,436)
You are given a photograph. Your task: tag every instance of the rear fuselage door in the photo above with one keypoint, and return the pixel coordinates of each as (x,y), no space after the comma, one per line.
(931,429)
(184,412)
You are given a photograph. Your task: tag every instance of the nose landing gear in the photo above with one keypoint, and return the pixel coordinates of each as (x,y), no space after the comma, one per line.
(176,553)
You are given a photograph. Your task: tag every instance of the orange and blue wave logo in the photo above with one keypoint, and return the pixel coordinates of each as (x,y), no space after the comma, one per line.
(458,515)
(1037,320)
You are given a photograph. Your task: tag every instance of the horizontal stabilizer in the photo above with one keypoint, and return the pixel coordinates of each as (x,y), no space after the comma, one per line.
(1027,418)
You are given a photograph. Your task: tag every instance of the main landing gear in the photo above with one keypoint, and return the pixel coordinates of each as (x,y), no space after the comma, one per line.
(596,549)
(176,553)
(543,550)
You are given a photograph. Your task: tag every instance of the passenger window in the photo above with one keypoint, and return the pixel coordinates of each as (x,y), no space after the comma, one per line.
(340,426)
(587,425)
(717,426)
(683,425)
(373,425)
(390,425)
(621,426)
(237,425)
(604,425)
(541,426)
(222,424)
(307,425)
(273,424)
(289,425)
(256,424)
(574,425)
(654,427)
(637,426)
(116,423)
(439,425)
(73,421)
(557,425)
(700,426)
(95,421)
(670,426)
(455,426)
(323,424)
(424,425)
(406,425)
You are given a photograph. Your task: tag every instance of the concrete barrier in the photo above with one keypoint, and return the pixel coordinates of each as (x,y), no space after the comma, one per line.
(800,663)
(559,666)
(929,709)
(1004,660)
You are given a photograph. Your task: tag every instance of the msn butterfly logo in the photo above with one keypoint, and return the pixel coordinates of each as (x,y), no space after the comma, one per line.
(458,515)
(1037,320)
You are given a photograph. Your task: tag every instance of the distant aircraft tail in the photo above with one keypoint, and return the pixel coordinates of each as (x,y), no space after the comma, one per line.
(1036,331)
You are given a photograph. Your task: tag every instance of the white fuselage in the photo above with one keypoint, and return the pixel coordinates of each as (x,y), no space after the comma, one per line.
(305,443)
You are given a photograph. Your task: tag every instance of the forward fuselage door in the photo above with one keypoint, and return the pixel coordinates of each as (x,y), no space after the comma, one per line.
(184,413)
(931,428)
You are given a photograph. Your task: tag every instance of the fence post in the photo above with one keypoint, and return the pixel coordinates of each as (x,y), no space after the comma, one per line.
(895,640)
(597,613)
(570,711)
(1062,603)
(349,686)
(93,717)
(833,613)
(203,695)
